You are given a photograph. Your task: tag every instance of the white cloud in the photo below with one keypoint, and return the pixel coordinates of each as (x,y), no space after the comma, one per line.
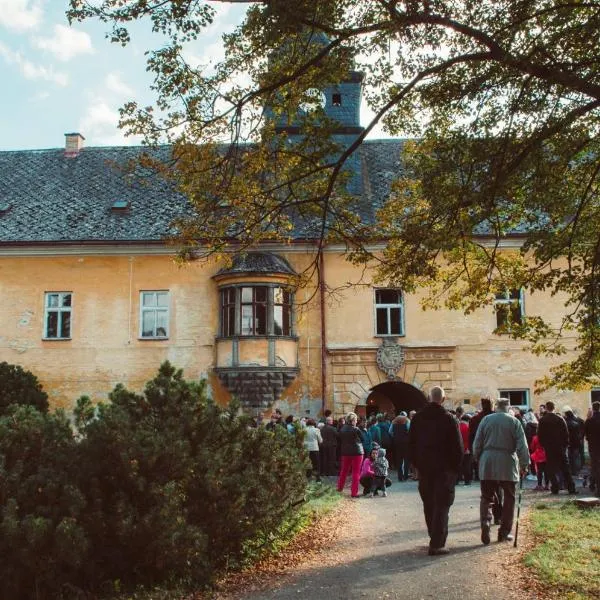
(31,70)
(40,96)
(20,15)
(99,124)
(115,84)
(65,43)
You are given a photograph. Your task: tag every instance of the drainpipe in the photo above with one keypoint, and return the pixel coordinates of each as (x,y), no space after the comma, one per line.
(323,333)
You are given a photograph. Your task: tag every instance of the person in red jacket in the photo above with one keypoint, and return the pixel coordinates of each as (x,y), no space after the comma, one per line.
(467,459)
(538,456)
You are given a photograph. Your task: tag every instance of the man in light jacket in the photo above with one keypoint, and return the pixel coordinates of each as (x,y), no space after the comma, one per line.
(501,450)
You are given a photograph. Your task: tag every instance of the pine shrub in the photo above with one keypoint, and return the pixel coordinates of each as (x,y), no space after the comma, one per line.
(177,486)
(42,543)
(158,488)
(18,386)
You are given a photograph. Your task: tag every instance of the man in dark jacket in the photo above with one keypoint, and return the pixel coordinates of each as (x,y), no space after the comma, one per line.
(575,429)
(592,435)
(435,448)
(554,437)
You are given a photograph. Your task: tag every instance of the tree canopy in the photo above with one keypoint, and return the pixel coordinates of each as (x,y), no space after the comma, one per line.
(500,99)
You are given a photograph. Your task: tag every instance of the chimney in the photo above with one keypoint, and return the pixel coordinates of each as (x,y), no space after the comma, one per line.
(73,144)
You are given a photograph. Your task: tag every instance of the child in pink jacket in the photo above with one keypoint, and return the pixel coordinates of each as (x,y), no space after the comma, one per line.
(367,473)
(538,456)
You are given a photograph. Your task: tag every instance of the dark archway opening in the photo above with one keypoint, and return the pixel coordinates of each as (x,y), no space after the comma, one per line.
(394,396)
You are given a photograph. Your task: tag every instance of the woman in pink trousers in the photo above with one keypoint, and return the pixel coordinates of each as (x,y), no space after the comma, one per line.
(351,454)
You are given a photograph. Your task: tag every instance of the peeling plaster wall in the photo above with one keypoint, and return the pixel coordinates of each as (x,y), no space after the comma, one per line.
(441,347)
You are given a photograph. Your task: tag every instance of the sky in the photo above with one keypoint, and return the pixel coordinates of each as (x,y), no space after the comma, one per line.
(58,79)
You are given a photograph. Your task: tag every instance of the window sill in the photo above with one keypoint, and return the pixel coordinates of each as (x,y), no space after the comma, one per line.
(153,339)
(389,335)
(294,338)
(46,339)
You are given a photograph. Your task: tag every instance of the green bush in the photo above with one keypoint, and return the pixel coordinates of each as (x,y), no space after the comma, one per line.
(18,386)
(42,543)
(176,486)
(154,489)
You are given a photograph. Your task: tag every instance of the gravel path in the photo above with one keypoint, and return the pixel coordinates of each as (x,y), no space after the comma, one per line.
(383,554)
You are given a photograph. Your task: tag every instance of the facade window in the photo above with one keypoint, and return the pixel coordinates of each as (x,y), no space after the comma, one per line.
(389,312)
(595,395)
(519,397)
(228,312)
(282,312)
(154,314)
(255,310)
(57,315)
(336,99)
(509,308)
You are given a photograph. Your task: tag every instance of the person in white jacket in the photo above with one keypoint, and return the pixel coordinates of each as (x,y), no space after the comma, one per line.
(312,439)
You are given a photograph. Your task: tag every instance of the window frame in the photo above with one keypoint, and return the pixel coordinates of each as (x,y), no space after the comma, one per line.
(60,310)
(508,301)
(270,305)
(388,306)
(509,390)
(156,309)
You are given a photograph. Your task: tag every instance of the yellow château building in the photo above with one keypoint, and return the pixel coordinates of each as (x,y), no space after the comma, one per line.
(91,296)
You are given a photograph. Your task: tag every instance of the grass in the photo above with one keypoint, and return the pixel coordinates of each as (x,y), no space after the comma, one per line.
(566,555)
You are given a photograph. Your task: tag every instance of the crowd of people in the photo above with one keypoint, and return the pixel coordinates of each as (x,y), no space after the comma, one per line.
(499,446)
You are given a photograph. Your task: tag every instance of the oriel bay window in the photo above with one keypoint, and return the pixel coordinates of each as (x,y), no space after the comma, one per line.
(256,310)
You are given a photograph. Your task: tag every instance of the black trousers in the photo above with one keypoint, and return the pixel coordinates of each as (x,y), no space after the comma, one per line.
(437,492)
(402,462)
(467,468)
(315,463)
(328,460)
(489,499)
(595,470)
(558,462)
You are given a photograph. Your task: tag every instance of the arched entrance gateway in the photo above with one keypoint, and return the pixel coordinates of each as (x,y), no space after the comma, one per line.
(394,396)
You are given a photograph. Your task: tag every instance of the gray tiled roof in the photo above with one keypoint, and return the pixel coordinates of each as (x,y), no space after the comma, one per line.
(52,198)
(258,262)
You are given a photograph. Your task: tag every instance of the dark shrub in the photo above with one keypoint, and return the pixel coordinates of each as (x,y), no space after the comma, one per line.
(18,386)
(176,486)
(156,488)
(42,544)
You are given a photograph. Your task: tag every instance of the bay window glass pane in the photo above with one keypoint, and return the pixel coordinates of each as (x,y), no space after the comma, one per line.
(65,324)
(52,324)
(231,320)
(261,319)
(148,323)
(247,320)
(279,295)
(395,321)
(281,320)
(162,323)
(260,294)
(278,320)
(247,295)
(225,321)
(66,300)
(382,325)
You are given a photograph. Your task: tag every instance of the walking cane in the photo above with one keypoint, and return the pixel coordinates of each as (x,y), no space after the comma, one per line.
(518,511)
